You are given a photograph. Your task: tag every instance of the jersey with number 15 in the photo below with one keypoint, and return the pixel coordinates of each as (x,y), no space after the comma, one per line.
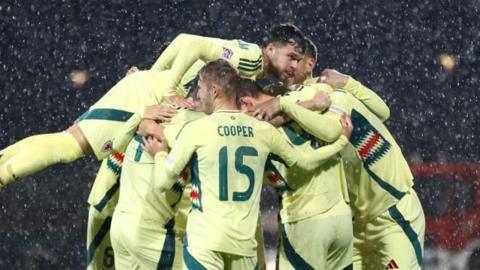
(227,152)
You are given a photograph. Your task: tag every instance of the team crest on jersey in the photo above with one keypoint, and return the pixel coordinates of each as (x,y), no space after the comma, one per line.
(227,53)
(107,146)
(392,265)
(371,146)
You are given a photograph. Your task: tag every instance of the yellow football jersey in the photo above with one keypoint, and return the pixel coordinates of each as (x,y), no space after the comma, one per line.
(376,170)
(227,153)
(187,49)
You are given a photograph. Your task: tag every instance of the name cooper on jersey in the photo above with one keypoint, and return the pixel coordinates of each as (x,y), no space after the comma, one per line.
(244,131)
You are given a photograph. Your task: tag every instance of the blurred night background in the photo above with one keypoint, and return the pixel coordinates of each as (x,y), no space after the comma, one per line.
(58,57)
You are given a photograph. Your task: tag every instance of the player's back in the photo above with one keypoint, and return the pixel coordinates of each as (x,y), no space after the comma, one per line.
(227,170)
(376,170)
(309,192)
(134,91)
(130,95)
(162,206)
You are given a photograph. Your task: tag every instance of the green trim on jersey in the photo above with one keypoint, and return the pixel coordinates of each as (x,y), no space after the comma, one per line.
(168,250)
(293,257)
(409,231)
(105,114)
(104,229)
(190,261)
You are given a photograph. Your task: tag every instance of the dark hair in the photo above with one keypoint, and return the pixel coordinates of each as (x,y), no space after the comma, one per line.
(249,88)
(272,86)
(223,74)
(287,33)
(192,88)
(311,50)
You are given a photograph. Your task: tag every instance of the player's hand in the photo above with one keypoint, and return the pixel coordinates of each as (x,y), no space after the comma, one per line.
(159,112)
(321,101)
(180,102)
(347,126)
(267,110)
(149,127)
(333,78)
(152,146)
(132,70)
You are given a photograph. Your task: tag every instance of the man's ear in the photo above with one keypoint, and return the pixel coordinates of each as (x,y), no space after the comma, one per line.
(215,90)
(247,101)
(311,63)
(270,49)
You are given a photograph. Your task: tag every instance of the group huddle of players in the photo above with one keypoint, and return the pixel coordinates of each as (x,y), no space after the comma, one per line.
(187,145)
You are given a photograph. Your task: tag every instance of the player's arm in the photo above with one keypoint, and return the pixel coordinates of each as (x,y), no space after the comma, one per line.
(325,127)
(184,51)
(319,103)
(143,123)
(168,166)
(368,97)
(307,160)
(125,134)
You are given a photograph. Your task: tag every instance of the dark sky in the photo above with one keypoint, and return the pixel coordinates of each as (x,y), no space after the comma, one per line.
(391,46)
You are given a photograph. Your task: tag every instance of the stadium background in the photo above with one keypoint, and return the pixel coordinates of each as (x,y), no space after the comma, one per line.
(421,56)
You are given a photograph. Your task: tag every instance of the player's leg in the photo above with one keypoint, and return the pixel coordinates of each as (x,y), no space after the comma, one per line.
(260,245)
(99,247)
(157,247)
(403,247)
(35,153)
(202,259)
(396,237)
(340,251)
(236,262)
(358,245)
(122,239)
(305,244)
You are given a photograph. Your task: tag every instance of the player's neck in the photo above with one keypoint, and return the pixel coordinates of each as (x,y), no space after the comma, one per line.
(224,104)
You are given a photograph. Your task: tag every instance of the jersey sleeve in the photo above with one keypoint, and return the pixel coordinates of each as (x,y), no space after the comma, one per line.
(125,134)
(325,127)
(305,160)
(369,98)
(183,52)
(306,92)
(168,166)
(311,160)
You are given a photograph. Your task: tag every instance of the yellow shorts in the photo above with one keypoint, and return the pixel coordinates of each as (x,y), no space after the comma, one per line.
(323,241)
(99,247)
(394,240)
(141,244)
(203,259)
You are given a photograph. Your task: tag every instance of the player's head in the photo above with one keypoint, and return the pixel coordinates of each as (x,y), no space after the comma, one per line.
(306,65)
(217,83)
(283,50)
(251,93)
